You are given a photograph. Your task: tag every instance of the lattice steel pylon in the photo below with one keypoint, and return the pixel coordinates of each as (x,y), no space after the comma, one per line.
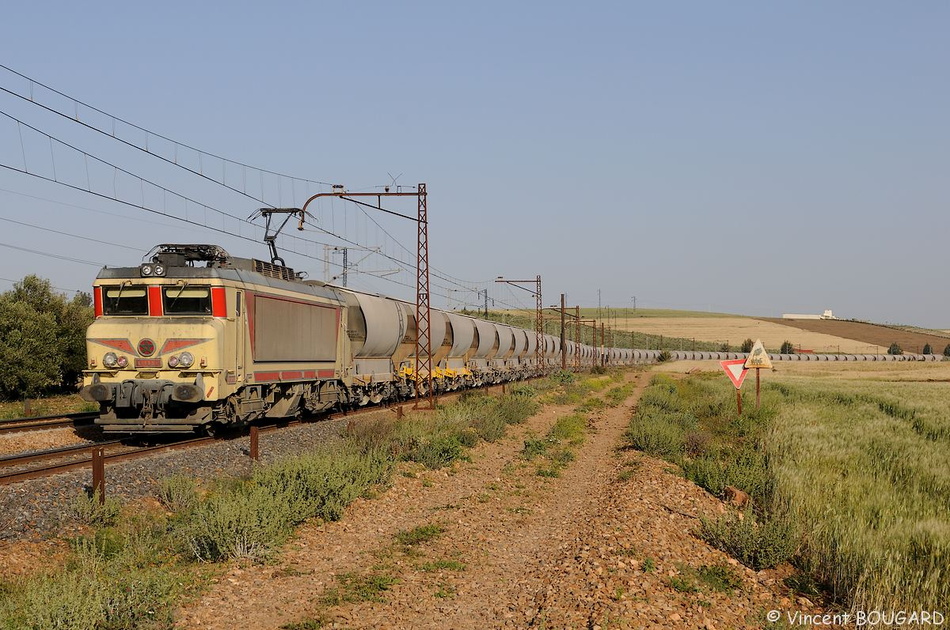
(423,364)
(577,338)
(540,326)
(423,333)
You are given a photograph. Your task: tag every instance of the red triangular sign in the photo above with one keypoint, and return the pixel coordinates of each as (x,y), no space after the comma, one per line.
(735,370)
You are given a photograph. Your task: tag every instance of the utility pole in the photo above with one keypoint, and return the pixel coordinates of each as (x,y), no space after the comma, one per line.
(563,344)
(539,315)
(577,337)
(423,367)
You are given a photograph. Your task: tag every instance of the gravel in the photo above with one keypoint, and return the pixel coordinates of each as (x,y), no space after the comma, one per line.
(32,510)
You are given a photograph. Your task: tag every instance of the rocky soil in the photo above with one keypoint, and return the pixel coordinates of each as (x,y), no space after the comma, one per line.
(610,543)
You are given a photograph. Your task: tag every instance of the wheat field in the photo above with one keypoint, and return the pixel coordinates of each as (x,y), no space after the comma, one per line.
(734,330)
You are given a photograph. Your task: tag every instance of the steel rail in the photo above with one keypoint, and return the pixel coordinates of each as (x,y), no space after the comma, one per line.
(15,425)
(53,469)
(272,425)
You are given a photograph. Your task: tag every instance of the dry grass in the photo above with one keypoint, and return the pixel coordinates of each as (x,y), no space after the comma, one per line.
(909,371)
(733,330)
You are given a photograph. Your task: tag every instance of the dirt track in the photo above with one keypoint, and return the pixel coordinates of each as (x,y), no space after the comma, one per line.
(600,546)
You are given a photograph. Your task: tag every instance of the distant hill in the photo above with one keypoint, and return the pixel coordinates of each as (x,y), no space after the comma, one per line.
(876,334)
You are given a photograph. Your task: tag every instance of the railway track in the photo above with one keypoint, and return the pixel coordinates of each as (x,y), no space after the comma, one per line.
(19,425)
(23,466)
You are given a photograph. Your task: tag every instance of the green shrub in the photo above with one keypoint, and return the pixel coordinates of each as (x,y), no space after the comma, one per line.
(438,452)
(252,519)
(516,407)
(247,524)
(88,510)
(562,377)
(720,577)
(535,447)
(490,427)
(178,493)
(102,588)
(569,428)
(754,544)
(656,436)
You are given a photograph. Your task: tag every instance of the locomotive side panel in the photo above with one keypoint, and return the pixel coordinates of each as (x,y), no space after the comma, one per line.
(290,330)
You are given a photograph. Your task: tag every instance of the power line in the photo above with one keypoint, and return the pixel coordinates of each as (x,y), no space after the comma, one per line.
(66,258)
(146,149)
(15,282)
(85,238)
(76,102)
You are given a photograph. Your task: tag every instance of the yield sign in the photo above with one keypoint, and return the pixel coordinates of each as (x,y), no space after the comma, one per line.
(735,370)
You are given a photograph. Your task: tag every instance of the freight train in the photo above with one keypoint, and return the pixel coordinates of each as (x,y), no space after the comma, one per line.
(196,339)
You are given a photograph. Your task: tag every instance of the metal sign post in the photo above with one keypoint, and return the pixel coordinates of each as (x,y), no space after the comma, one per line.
(758,359)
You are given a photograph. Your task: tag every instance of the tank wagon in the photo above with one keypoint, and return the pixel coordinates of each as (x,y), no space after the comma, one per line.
(197,339)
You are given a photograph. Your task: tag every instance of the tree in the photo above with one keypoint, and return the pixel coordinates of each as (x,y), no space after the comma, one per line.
(946,351)
(42,338)
(895,349)
(787,347)
(28,346)
(746,346)
(927,349)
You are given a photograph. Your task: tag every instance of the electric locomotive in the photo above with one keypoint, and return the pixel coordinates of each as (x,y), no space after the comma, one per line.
(197,338)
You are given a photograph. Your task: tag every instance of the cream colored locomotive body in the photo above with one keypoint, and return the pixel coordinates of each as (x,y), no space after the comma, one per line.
(221,344)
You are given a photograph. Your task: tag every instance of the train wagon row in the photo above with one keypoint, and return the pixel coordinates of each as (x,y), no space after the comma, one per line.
(196,339)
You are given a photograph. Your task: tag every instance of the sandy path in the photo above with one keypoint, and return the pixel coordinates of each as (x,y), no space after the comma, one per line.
(593,548)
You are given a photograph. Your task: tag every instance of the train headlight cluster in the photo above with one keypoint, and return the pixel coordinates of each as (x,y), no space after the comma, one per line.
(152,269)
(112,361)
(183,360)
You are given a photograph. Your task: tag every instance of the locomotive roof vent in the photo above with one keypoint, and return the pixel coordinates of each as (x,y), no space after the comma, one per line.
(273,270)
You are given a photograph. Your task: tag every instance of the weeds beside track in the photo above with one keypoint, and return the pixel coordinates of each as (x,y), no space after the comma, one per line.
(847,479)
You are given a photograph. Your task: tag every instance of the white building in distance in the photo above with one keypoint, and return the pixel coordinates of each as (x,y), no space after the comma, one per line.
(826,315)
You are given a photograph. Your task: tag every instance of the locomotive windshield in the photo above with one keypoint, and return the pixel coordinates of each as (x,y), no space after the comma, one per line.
(125,300)
(187,300)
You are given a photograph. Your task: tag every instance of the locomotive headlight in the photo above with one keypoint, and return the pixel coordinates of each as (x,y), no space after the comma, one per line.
(173,361)
(146,270)
(186,359)
(122,362)
(109,360)
(159,270)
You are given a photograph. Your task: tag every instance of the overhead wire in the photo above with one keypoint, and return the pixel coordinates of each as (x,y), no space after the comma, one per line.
(85,238)
(51,255)
(75,118)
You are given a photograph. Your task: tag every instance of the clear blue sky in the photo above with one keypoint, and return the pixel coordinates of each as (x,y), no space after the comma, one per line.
(745,157)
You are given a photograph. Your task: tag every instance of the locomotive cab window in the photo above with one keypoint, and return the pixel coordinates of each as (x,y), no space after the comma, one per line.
(187,300)
(125,300)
